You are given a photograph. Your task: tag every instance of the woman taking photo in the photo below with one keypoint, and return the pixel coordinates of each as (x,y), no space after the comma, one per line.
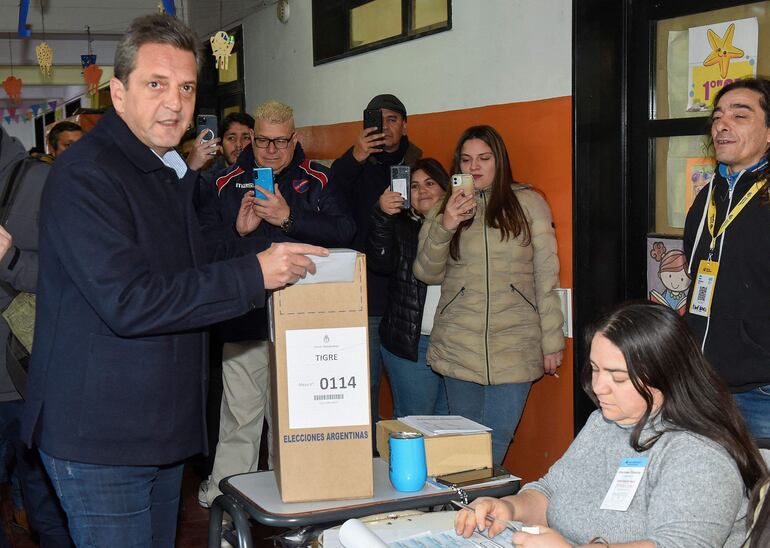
(664,415)
(406,325)
(498,326)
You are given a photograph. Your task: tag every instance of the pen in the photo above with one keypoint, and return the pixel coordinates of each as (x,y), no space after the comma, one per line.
(508,525)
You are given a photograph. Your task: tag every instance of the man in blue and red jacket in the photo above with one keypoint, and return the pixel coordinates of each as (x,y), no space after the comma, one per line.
(304,207)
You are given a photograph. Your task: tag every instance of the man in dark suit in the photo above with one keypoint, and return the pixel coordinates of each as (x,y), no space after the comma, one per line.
(127,284)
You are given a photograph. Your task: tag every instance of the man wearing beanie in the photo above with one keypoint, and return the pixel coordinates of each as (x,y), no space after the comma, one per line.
(365,171)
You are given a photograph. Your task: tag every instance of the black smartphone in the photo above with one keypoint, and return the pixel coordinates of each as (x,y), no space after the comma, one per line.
(206,121)
(373,118)
(400,182)
(472,477)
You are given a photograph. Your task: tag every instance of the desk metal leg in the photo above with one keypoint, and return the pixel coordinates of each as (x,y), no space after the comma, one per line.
(222,504)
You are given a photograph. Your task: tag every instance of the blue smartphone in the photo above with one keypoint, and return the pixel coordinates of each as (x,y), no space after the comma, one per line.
(263,178)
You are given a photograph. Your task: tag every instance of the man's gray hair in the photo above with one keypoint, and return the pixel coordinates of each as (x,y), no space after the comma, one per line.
(153,29)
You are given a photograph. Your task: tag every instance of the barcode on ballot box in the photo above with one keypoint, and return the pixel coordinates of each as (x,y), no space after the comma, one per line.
(702,293)
(322,397)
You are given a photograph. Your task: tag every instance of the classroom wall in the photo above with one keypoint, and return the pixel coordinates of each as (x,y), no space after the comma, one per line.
(506,63)
(497,52)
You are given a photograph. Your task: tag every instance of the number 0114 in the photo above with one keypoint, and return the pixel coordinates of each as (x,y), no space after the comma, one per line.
(337,383)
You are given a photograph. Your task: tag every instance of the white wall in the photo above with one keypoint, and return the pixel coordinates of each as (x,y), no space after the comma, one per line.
(498,51)
(24,131)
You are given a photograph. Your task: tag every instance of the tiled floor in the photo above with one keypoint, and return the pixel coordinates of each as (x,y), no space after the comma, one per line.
(193,520)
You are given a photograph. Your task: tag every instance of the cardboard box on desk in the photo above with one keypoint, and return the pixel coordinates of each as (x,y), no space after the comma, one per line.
(320,386)
(444,454)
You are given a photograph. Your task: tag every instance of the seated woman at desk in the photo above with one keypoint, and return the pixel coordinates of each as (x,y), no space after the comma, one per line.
(666,426)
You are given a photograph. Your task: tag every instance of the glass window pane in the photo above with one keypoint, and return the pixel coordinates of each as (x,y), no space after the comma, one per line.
(429,14)
(230,74)
(683,165)
(672,51)
(374,21)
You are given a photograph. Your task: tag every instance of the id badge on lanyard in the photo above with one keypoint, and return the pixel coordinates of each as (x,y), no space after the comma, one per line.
(703,289)
(705,281)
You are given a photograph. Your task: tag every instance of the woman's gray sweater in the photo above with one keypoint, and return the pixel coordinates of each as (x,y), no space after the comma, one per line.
(691,494)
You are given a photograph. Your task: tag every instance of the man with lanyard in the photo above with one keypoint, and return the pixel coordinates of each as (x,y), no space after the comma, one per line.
(727,240)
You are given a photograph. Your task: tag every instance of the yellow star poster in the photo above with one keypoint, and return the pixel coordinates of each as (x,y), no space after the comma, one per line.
(719,54)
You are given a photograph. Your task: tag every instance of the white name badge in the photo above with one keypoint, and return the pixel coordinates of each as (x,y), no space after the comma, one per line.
(703,291)
(625,484)
(327,377)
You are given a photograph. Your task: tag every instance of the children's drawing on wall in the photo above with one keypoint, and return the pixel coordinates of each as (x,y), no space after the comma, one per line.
(687,167)
(667,278)
(719,54)
(698,175)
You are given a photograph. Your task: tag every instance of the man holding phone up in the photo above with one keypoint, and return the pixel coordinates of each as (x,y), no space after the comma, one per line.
(365,171)
(302,206)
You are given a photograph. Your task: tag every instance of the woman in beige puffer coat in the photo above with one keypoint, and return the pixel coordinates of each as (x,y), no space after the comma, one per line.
(498,325)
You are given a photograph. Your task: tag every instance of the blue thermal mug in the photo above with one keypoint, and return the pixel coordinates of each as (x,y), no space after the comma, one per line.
(408,470)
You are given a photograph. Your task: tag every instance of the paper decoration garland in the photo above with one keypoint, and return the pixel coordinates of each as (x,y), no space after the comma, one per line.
(12,87)
(27,113)
(88,59)
(92,75)
(24,32)
(44,57)
(167,7)
(222,45)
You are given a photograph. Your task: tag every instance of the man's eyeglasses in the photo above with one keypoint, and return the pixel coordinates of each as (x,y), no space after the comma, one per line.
(280,142)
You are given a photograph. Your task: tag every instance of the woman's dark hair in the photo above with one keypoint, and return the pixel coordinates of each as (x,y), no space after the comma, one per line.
(660,353)
(504,211)
(434,169)
(759,518)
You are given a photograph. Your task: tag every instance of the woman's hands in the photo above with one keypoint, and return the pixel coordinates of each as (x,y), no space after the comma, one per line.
(391,202)
(459,208)
(552,362)
(548,538)
(466,521)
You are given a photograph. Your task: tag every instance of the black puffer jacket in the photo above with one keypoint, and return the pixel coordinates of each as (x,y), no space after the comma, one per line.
(391,247)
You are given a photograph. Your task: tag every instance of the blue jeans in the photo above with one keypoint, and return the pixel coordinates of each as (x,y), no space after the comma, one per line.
(417,390)
(45,514)
(498,406)
(754,405)
(118,506)
(375,373)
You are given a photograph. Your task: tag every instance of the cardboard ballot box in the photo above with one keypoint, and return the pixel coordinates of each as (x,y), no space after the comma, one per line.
(446,453)
(320,385)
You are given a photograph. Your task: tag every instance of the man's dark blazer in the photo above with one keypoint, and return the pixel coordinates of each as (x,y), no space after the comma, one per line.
(126,287)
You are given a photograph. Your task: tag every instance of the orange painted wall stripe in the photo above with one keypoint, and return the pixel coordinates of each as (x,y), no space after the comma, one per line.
(538,135)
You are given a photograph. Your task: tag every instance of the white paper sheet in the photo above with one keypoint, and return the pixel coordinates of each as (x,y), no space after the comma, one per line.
(434,425)
(327,379)
(354,534)
(339,266)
